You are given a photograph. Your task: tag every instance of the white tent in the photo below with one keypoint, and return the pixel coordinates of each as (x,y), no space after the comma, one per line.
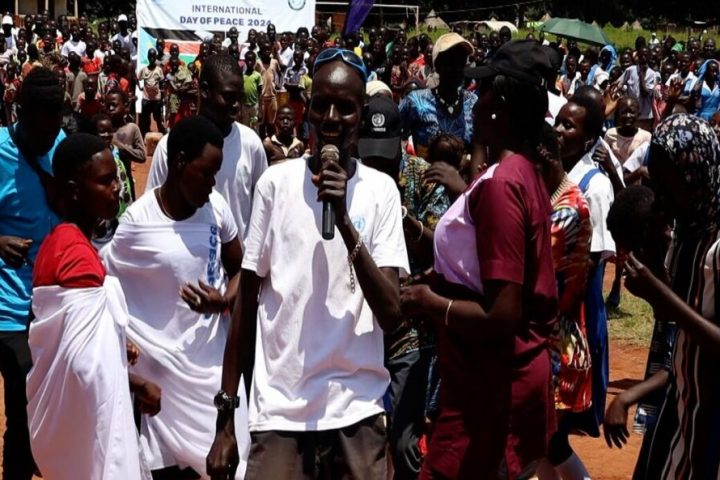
(636,25)
(545,18)
(496,25)
(434,21)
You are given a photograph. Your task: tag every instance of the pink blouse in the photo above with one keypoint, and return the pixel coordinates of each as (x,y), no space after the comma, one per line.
(455,241)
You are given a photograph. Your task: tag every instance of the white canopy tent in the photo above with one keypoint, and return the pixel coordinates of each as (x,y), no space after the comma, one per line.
(434,21)
(494,25)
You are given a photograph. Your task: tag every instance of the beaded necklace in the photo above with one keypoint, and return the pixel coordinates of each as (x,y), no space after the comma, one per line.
(450,107)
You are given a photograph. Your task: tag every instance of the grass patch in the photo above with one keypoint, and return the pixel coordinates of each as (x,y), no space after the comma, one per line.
(632,323)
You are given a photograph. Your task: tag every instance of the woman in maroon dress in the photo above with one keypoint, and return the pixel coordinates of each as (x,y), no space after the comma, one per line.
(495,301)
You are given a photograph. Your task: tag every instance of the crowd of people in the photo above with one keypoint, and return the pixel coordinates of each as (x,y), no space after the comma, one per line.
(452,325)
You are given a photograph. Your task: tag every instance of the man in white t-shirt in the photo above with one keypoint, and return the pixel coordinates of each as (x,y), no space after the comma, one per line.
(231,38)
(124,36)
(312,341)
(244,160)
(74,44)
(181,239)
(10,33)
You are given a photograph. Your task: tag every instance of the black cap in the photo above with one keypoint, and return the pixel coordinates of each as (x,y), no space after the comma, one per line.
(524,60)
(554,57)
(382,129)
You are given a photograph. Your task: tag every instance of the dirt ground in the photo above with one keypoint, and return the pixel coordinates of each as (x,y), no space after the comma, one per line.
(627,365)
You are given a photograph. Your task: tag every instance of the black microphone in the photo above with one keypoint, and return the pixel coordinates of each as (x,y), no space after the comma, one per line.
(328,153)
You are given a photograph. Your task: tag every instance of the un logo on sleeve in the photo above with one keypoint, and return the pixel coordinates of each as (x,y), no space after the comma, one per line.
(359,224)
(296,4)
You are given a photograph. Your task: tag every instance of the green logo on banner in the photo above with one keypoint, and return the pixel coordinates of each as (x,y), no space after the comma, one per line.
(296,4)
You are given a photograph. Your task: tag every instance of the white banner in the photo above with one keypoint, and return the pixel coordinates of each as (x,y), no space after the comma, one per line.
(189,22)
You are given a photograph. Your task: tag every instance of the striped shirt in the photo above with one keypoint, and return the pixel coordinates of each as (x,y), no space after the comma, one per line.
(686,442)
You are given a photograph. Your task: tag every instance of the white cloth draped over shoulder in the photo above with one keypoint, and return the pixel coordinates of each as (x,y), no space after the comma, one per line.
(79,408)
(180,350)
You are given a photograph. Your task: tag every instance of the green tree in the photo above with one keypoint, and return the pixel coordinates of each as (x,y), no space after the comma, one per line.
(105,8)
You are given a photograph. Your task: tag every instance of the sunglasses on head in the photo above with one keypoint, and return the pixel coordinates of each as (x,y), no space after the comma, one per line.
(346,56)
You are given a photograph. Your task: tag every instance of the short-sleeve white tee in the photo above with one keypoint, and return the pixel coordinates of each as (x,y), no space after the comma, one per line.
(244,161)
(78,47)
(146,211)
(319,350)
(600,197)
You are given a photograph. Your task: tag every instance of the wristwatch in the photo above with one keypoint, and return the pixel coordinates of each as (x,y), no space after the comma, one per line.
(224,402)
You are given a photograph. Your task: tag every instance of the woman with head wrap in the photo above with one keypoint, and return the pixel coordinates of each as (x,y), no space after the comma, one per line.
(684,163)
(608,57)
(706,91)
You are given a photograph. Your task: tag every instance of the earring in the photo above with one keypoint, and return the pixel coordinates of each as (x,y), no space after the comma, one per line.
(493,117)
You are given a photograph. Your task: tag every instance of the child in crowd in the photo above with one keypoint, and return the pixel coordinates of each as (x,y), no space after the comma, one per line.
(295,86)
(116,78)
(270,86)
(446,155)
(623,140)
(584,69)
(306,82)
(150,79)
(284,144)
(128,138)
(570,80)
(249,113)
(103,76)
(180,91)
(88,103)
(626,136)
(12,85)
(104,128)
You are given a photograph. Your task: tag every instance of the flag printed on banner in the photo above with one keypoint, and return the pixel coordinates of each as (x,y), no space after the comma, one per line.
(187,23)
(356,15)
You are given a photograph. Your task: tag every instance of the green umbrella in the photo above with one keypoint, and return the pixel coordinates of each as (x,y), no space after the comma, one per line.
(550,23)
(575,29)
